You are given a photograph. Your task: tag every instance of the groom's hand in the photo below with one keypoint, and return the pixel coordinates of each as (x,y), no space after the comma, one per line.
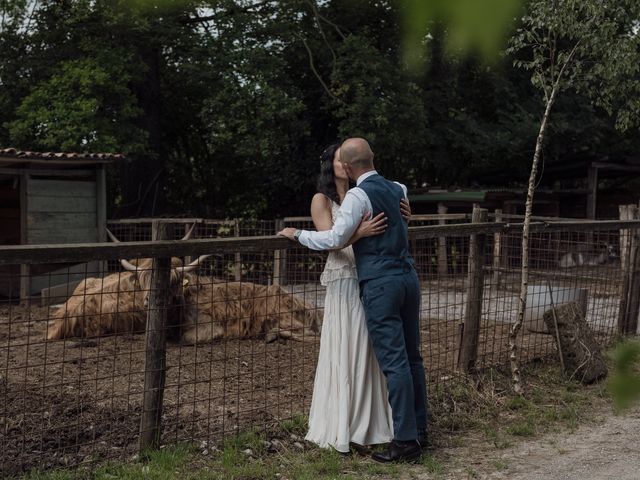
(405,209)
(288,232)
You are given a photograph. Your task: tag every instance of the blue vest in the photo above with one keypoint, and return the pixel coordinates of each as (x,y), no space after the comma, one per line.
(386,254)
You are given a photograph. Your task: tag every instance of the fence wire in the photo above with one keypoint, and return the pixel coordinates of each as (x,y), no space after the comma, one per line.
(242,333)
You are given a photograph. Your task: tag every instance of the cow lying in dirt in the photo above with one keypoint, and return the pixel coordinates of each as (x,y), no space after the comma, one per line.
(116,303)
(245,310)
(201,309)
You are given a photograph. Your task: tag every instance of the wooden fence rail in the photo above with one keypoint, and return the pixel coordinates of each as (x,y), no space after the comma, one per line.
(82,252)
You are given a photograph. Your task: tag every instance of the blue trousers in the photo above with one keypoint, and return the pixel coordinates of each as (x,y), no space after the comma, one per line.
(392,311)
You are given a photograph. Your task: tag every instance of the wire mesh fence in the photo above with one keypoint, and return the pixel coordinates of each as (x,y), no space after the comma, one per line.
(235,335)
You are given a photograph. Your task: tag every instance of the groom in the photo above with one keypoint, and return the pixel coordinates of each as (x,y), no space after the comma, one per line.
(389,290)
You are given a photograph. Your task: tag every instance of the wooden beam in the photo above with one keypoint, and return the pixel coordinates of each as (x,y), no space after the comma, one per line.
(155,351)
(46,172)
(101,203)
(592,185)
(75,253)
(443,266)
(473,308)
(25,284)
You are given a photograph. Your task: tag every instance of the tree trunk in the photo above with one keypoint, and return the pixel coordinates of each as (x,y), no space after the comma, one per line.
(144,179)
(524,279)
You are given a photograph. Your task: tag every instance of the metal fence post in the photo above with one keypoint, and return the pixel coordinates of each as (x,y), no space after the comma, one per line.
(473,307)
(155,345)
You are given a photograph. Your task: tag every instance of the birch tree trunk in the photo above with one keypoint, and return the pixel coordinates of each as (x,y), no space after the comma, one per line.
(524,279)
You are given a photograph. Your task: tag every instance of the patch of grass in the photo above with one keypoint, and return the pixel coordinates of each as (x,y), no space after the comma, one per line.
(160,464)
(296,425)
(433,465)
(522,429)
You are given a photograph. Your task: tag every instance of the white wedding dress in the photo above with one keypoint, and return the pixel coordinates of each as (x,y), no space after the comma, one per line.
(350,392)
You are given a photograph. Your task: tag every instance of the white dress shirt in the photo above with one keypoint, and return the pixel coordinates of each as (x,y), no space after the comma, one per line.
(355,204)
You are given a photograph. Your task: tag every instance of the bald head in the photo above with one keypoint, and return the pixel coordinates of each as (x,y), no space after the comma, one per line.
(356,153)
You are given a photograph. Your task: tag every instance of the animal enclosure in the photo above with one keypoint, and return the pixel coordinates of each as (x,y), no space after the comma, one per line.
(130,371)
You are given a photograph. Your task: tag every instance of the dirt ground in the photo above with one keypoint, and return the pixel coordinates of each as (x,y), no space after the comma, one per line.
(65,403)
(604,449)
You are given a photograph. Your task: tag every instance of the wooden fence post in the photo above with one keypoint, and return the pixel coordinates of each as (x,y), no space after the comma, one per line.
(155,345)
(473,307)
(238,260)
(443,268)
(279,259)
(497,252)
(630,263)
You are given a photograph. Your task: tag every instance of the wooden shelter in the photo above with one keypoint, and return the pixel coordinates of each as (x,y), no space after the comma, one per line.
(49,198)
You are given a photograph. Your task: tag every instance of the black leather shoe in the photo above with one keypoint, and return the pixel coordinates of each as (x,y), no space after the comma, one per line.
(423,439)
(399,452)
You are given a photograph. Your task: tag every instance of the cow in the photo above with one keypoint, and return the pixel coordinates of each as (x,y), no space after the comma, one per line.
(246,310)
(201,309)
(117,303)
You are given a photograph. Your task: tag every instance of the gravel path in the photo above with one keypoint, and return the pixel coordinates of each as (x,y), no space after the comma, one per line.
(609,449)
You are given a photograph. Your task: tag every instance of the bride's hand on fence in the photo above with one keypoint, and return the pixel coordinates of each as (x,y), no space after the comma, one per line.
(371,226)
(405,209)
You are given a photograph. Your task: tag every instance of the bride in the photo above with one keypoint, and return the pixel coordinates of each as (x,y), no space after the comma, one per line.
(349,403)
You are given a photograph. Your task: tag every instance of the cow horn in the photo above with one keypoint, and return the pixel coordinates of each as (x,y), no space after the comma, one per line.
(125,263)
(112,236)
(187,236)
(128,266)
(193,265)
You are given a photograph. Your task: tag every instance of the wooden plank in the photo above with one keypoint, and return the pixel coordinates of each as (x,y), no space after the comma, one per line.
(279,259)
(61,188)
(101,203)
(497,251)
(473,307)
(237,269)
(59,276)
(46,172)
(74,253)
(25,285)
(155,351)
(57,293)
(443,266)
(592,185)
(42,220)
(44,235)
(40,203)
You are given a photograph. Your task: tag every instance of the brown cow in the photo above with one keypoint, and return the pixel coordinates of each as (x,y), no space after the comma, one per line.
(246,310)
(116,303)
(201,309)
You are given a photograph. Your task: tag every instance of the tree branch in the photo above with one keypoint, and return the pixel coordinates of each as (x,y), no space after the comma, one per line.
(313,68)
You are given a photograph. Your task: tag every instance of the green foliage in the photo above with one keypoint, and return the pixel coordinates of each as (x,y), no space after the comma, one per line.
(589,46)
(85,106)
(624,381)
(223,107)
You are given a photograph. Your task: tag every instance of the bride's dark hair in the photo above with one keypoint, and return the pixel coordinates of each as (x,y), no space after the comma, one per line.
(327,180)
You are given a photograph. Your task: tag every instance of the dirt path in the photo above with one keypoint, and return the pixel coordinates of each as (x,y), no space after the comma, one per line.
(607,449)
